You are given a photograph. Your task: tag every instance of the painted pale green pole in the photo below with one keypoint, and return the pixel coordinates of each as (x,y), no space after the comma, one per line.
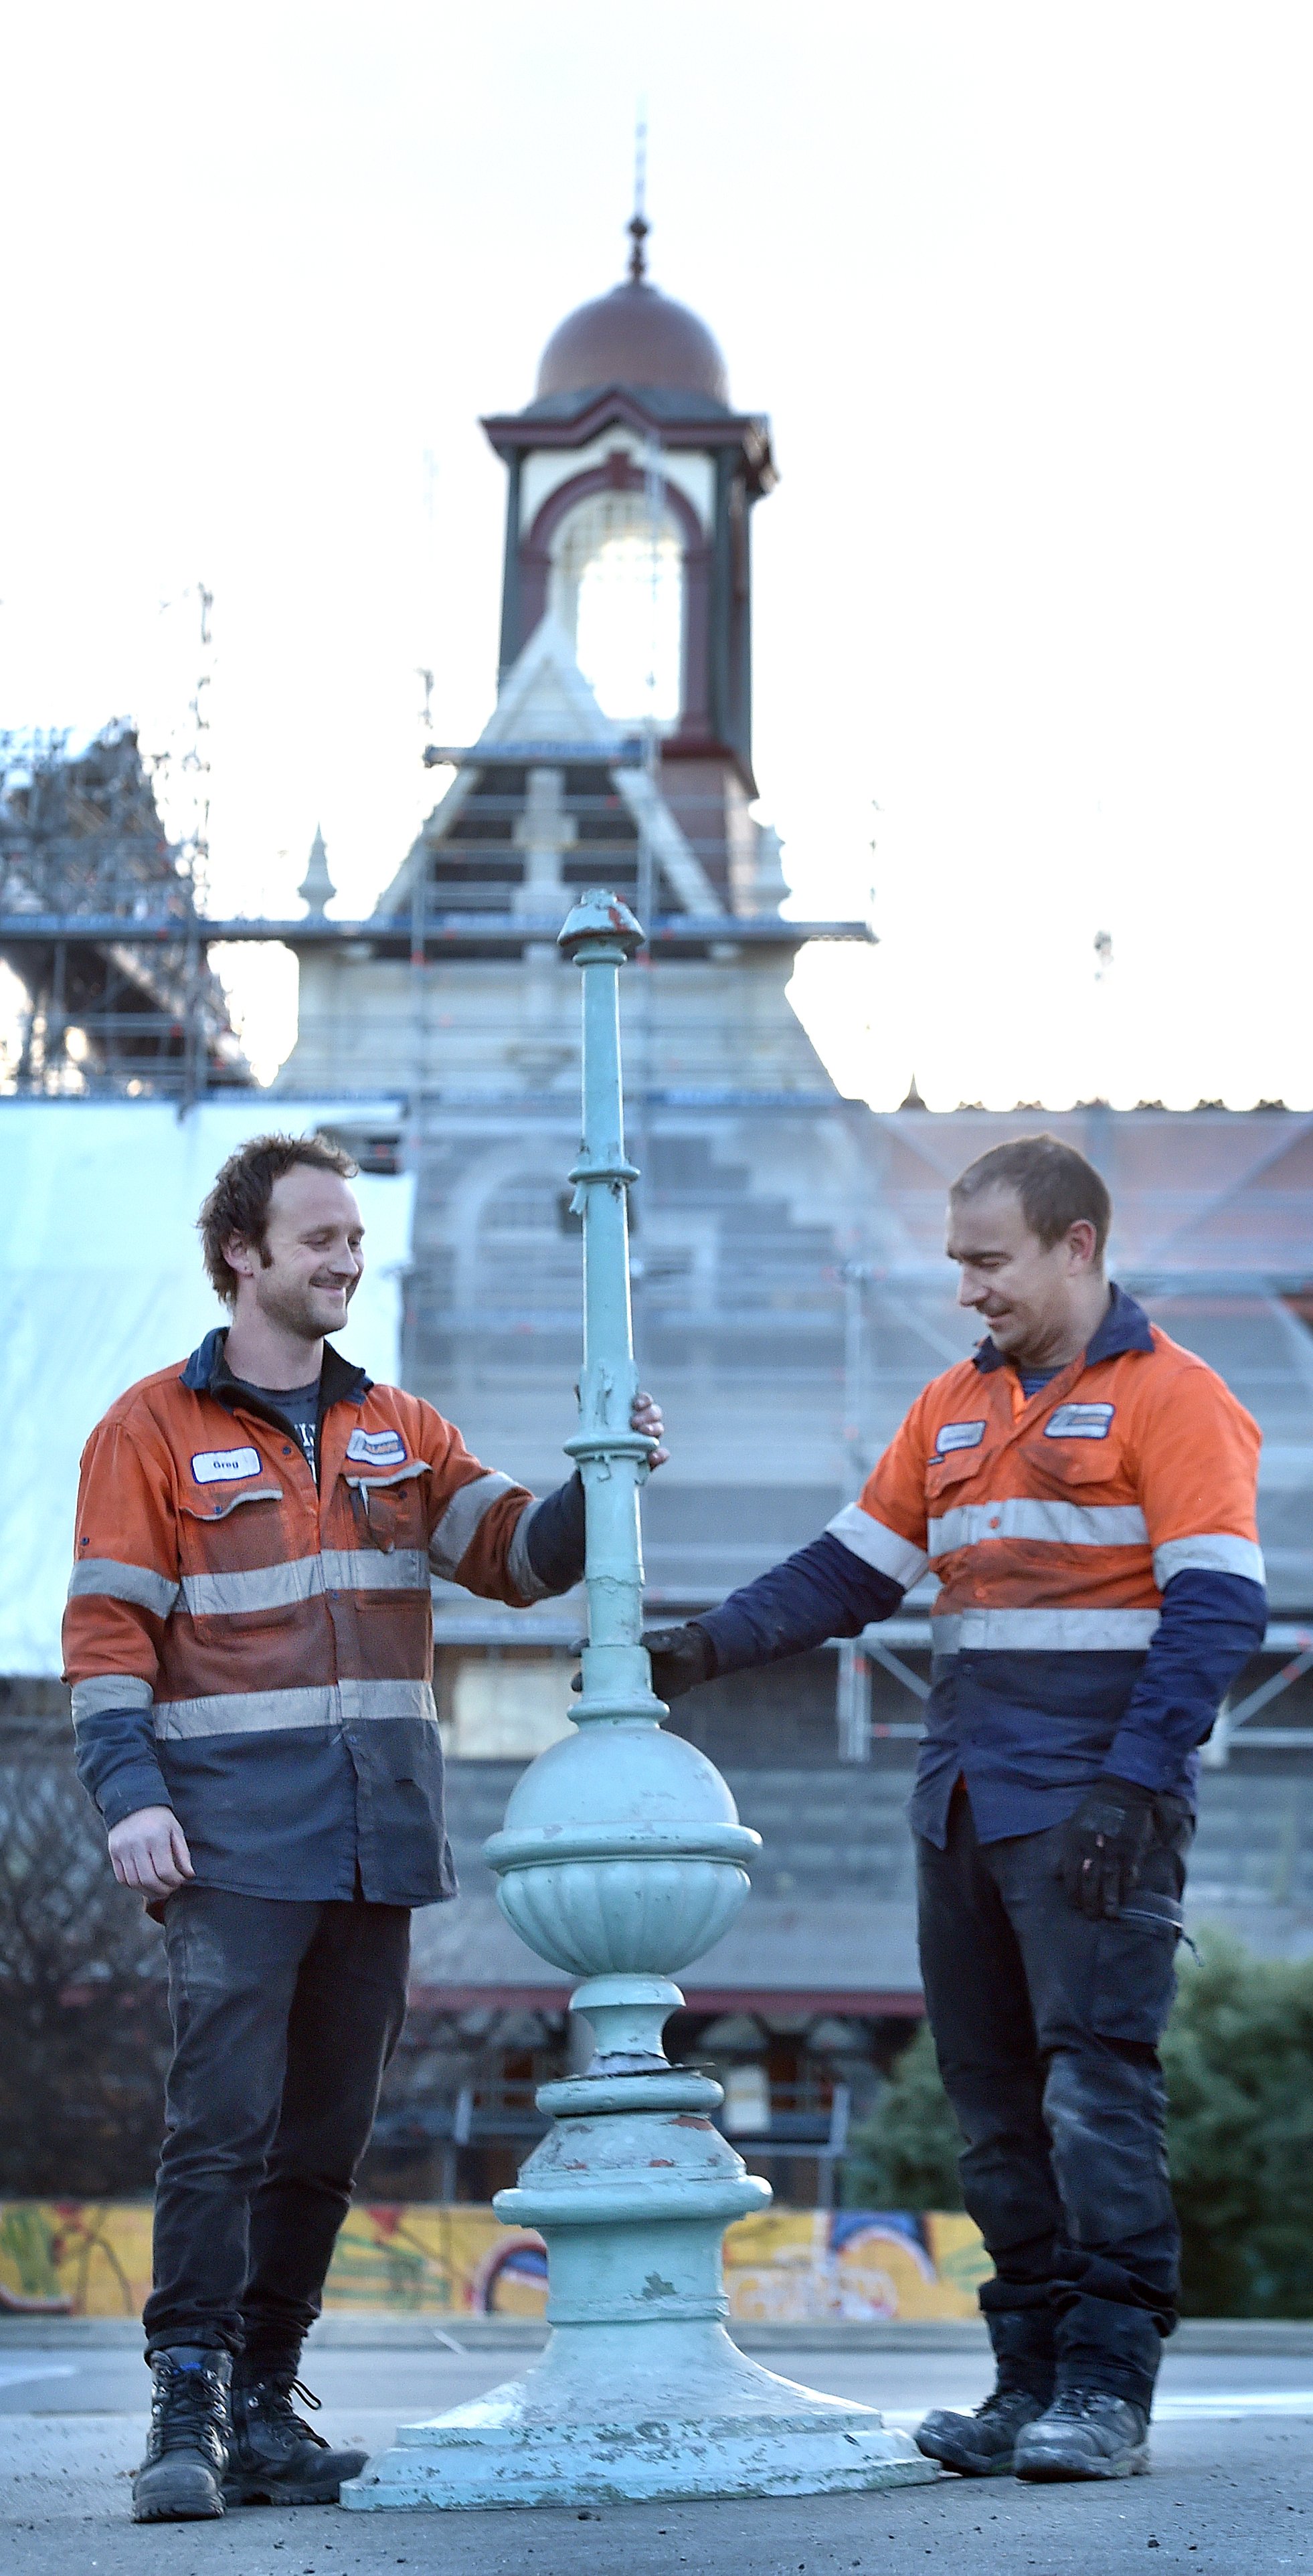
(621,1859)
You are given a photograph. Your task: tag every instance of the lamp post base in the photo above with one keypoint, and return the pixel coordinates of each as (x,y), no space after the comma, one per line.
(703,2421)
(640,2394)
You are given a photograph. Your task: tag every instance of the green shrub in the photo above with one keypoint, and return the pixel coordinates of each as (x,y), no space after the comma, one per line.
(1238,2057)
(905,2155)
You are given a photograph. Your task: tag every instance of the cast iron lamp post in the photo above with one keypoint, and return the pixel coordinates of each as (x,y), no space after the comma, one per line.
(621,1859)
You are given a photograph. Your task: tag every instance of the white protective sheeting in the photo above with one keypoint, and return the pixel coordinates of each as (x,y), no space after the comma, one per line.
(101,1282)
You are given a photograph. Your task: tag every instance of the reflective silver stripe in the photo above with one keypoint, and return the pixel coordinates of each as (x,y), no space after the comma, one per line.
(877,1546)
(327,1704)
(1065,1524)
(117,1582)
(368,1569)
(226,1503)
(372,1700)
(301,1578)
(248,1712)
(264,1587)
(461,1519)
(1042,1632)
(109,1690)
(1212,1552)
(519,1563)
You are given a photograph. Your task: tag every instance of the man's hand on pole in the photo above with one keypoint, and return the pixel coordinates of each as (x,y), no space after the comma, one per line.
(681,1658)
(646,1416)
(148,1850)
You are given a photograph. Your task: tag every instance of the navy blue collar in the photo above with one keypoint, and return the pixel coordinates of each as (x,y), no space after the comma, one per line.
(1125,1327)
(207,1373)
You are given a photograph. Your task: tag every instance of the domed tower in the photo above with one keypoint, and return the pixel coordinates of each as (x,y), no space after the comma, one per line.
(631,481)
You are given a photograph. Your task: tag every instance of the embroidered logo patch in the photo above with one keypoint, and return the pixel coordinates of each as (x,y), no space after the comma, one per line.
(958,1435)
(377,1448)
(1079,1422)
(224,1466)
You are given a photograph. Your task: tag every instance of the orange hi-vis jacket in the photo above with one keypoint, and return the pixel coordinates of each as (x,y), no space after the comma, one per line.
(1100,1578)
(1054,1525)
(256,1651)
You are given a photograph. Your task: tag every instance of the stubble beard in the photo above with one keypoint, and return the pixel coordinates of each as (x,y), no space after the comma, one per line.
(296,1308)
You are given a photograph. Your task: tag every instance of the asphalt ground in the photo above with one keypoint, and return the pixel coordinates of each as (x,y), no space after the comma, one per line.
(1232,2486)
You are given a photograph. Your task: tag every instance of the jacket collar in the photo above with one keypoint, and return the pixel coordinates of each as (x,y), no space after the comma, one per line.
(1125,1327)
(207,1373)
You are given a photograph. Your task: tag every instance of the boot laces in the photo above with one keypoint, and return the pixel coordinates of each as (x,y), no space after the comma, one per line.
(185,2403)
(999,2398)
(1072,2402)
(272,2398)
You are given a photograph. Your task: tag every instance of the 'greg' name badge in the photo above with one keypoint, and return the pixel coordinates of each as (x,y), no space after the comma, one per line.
(224,1466)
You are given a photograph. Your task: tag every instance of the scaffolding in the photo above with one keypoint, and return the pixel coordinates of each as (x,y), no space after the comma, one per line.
(100,923)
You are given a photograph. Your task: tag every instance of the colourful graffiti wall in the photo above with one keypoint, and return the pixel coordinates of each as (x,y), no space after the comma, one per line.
(86,2259)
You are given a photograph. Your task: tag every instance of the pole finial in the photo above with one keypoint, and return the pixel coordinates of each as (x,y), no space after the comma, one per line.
(599,914)
(638,226)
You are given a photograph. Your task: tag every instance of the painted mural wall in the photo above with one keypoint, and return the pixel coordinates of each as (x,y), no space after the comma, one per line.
(788,2267)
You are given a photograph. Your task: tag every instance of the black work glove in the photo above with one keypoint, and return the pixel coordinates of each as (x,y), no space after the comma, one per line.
(681,1658)
(1105,1844)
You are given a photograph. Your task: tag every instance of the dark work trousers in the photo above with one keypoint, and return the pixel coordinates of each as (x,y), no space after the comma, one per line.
(284,2018)
(1046,2027)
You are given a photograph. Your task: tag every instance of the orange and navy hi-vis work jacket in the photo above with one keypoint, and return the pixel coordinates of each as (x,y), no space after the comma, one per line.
(1100,1578)
(256,1651)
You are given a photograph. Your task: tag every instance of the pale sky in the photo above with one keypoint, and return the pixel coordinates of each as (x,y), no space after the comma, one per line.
(1025,290)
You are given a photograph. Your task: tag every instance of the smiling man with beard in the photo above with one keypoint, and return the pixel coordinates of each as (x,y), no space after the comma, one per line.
(249,1639)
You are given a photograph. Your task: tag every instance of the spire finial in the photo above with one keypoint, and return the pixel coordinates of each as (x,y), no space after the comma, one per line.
(316,888)
(638,226)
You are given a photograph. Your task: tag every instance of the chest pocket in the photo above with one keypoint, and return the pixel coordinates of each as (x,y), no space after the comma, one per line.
(948,1478)
(1086,1469)
(389,1510)
(240,1529)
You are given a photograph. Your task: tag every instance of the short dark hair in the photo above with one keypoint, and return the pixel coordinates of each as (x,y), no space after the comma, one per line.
(238,1203)
(1057,1187)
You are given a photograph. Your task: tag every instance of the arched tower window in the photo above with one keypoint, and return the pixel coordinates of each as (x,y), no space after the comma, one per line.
(617,586)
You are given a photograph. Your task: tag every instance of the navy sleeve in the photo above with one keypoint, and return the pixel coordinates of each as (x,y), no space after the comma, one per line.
(1211,1625)
(823,1591)
(117,1763)
(554,1536)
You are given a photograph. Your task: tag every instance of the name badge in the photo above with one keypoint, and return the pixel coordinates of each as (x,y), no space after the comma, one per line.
(377,1448)
(958,1435)
(224,1466)
(1079,1422)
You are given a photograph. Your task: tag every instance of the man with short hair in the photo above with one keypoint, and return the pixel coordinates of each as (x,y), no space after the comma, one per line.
(1085,1492)
(249,1638)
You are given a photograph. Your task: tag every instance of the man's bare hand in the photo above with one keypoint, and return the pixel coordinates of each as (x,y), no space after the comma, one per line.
(646,1416)
(148,1850)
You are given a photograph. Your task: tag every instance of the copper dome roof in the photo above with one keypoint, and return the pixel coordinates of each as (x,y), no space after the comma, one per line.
(633,336)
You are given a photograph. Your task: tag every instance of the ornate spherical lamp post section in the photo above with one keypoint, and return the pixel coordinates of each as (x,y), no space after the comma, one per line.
(621,1859)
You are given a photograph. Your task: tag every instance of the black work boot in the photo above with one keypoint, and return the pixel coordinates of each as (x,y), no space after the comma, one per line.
(1098,2424)
(1085,2433)
(181,2477)
(983,2445)
(274,2456)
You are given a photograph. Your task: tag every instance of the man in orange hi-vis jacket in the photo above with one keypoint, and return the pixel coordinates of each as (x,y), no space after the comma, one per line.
(1084,1490)
(249,1637)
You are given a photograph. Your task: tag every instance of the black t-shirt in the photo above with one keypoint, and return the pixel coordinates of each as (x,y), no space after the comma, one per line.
(299,1409)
